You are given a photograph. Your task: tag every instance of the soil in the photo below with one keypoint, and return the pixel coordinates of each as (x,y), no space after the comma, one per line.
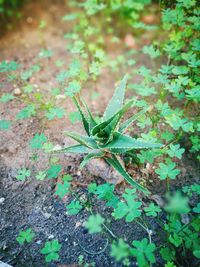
(32,203)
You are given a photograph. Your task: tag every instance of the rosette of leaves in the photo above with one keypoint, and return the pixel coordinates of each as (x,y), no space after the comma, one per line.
(106,139)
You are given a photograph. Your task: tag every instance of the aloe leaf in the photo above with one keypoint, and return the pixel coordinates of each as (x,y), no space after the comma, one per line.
(121,141)
(74,149)
(83,140)
(106,134)
(128,122)
(83,117)
(94,154)
(111,127)
(116,101)
(114,162)
(121,112)
(92,122)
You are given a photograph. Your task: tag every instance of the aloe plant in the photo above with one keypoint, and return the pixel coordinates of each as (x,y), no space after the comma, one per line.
(107,139)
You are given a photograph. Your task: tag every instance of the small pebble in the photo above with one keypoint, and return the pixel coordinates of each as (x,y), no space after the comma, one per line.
(57,147)
(29,20)
(39,242)
(78,173)
(47,215)
(51,237)
(60,96)
(2,199)
(17,92)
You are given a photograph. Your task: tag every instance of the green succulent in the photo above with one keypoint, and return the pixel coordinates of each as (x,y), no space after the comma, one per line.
(106,139)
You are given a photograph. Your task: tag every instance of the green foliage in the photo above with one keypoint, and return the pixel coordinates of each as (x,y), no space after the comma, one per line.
(25,236)
(62,189)
(50,250)
(177,203)
(74,117)
(26,112)
(74,207)
(94,223)
(120,250)
(55,112)
(41,175)
(104,192)
(23,174)
(6,97)
(7,66)
(167,170)
(5,124)
(129,209)
(38,141)
(54,171)
(175,151)
(45,53)
(144,252)
(152,210)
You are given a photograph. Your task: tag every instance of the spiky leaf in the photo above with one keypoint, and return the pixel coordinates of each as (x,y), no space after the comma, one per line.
(116,101)
(94,154)
(114,162)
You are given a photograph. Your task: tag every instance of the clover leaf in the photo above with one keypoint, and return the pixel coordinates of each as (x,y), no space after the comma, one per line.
(94,223)
(23,174)
(74,207)
(62,189)
(5,124)
(51,250)
(152,210)
(130,210)
(120,250)
(37,141)
(25,236)
(144,252)
(55,113)
(167,170)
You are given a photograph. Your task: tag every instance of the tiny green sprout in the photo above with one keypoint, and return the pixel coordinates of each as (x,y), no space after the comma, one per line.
(28,88)
(55,113)
(120,250)
(62,189)
(106,138)
(42,24)
(197,208)
(25,236)
(94,223)
(54,171)
(74,207)
(26,112)
(6,97)
(74,117)
(41,175)
(46,53)
(170,264)
(73,88)
(6,66)
(177,203)
(152,210)
(51,250)
(38,141)
(4,124)
(23,174)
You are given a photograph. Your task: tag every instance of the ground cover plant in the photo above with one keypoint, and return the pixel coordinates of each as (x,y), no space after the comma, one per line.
(146,133)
